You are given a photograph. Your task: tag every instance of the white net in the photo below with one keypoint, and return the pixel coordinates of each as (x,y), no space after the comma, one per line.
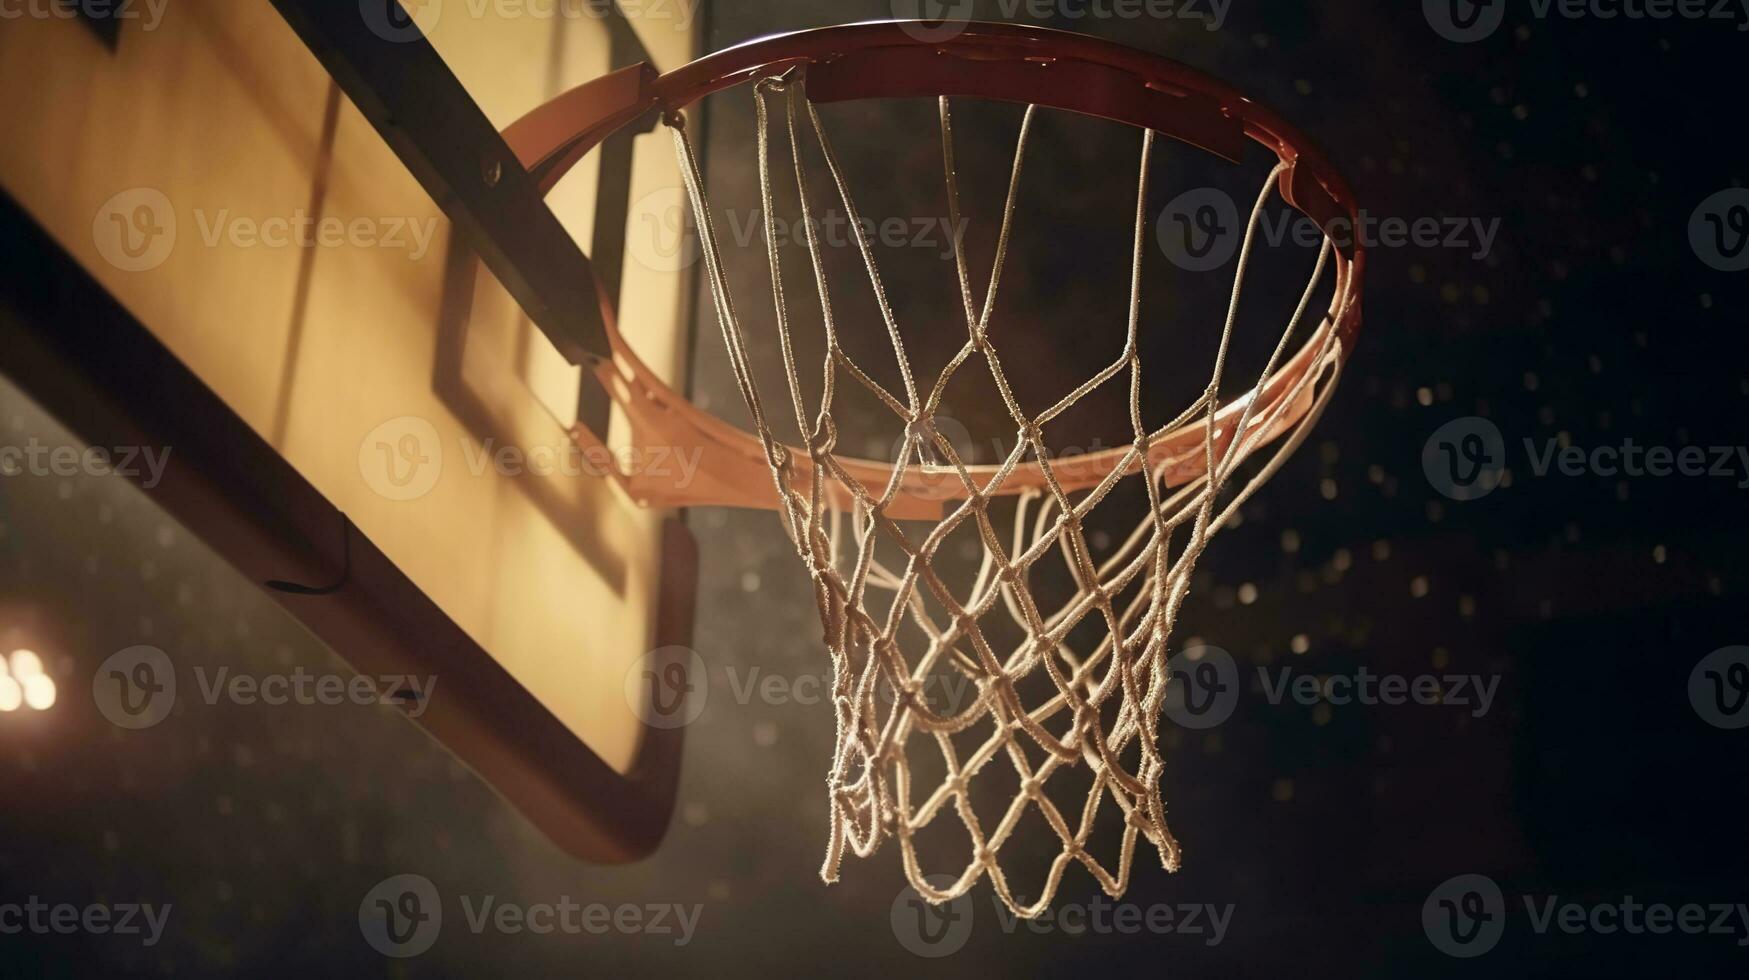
(1102,707)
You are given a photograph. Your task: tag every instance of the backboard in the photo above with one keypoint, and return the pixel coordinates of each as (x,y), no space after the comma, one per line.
(258,256)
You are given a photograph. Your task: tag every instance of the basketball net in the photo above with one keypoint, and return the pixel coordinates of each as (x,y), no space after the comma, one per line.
(1105,708)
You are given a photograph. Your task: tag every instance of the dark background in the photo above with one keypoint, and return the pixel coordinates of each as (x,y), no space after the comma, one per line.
(1590,598)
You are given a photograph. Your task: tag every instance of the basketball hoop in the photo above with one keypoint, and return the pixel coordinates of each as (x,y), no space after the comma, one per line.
(1106,702)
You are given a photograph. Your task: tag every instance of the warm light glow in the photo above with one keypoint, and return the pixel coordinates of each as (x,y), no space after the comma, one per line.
(39,692)
(11,696)
(25,663)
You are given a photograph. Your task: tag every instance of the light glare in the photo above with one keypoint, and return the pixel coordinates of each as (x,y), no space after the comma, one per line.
(39,692)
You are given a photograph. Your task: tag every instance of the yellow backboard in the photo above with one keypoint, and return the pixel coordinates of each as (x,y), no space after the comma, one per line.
(294,281)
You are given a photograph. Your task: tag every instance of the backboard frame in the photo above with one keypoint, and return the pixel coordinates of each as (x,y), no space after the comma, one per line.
(412,98)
